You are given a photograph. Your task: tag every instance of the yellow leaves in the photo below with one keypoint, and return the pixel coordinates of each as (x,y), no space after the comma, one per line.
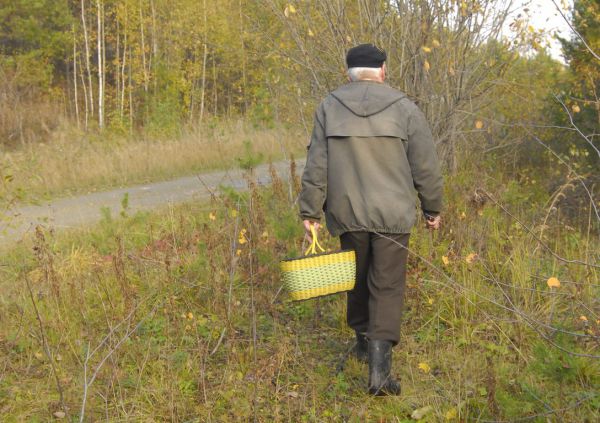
(478,124)
(462,216)
(424,367)
(583,318)
(426,49)
(348,38)
(471,258)
(212,216)
(242,237)
(190,315)
(445,260)
(553,282)
(435,43)
(59,414)
(310,33)
(233,213)
(289,10)
(426,66)
(576,108)
(38,355)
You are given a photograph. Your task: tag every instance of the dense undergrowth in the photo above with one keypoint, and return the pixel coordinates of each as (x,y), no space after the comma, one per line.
(180,316)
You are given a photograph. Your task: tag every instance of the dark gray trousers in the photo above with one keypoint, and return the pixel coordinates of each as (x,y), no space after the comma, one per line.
(375,304)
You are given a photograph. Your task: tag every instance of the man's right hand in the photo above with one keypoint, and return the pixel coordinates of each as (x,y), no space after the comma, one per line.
(433,222)
(307,232)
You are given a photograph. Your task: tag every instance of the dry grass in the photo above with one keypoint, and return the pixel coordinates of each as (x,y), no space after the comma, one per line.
(72,164)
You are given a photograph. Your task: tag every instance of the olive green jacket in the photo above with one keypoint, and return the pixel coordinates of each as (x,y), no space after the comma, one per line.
(371,147)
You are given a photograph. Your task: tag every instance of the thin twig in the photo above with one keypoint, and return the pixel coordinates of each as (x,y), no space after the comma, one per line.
(568,21)
(542,243)
(45,345)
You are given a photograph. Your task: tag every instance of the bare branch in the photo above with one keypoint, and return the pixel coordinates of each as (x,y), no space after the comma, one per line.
(575,31)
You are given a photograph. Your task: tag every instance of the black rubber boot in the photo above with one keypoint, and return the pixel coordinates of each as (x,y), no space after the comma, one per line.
(361,349)
(380,367)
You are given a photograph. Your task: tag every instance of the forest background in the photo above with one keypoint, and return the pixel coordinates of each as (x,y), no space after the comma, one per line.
(107,321)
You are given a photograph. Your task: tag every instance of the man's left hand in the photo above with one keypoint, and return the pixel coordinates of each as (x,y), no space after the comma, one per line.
(433,222)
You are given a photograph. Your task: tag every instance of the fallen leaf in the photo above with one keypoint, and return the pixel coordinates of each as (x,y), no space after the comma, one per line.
(583,318)
(212,216)
(426,66)
(576,108)
(471,258)
(435,43)
(463,215)
(424,367)
(426,49)
(38,355)
(553,282)
(292,394)
(478,124)
(419,413)
(310,33)
(445,260)
(451,414)
(59,414)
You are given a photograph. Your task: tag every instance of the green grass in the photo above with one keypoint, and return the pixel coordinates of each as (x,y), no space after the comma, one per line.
(200,330)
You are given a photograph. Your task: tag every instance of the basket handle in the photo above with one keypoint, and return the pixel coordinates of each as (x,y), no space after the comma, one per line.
(312,248)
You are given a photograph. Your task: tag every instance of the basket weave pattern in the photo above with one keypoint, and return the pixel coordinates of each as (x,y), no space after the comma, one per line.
(318,275)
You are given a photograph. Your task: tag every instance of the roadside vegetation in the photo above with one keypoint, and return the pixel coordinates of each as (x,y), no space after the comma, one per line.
(179,315)
(67,166)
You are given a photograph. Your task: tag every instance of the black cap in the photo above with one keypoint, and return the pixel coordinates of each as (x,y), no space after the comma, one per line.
(365,56)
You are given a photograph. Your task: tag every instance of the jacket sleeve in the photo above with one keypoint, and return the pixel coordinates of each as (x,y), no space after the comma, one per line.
(424,163)
(314,178)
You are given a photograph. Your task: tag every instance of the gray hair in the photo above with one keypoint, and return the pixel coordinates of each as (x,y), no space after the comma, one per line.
(356,74)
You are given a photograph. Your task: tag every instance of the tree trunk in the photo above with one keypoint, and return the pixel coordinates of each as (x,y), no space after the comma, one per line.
(86,39)
(75,96)
(100,56)
(204,64)
(143,41)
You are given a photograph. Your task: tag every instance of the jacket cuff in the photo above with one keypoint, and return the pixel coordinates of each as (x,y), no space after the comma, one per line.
(311,218)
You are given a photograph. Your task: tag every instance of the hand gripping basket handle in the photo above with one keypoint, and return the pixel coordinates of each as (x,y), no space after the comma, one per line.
(312,248)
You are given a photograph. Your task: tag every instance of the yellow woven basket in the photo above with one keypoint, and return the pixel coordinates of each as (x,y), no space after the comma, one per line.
(316,275)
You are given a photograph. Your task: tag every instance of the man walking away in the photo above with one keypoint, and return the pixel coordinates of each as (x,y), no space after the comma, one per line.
(371,147)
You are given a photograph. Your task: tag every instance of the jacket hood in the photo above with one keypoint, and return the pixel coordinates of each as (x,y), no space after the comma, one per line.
(366,98)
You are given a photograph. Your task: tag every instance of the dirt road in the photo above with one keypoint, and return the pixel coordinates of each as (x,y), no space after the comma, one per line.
(83,210)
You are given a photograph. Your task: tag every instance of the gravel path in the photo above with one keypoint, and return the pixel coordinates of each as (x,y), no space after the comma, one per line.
(83,210)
